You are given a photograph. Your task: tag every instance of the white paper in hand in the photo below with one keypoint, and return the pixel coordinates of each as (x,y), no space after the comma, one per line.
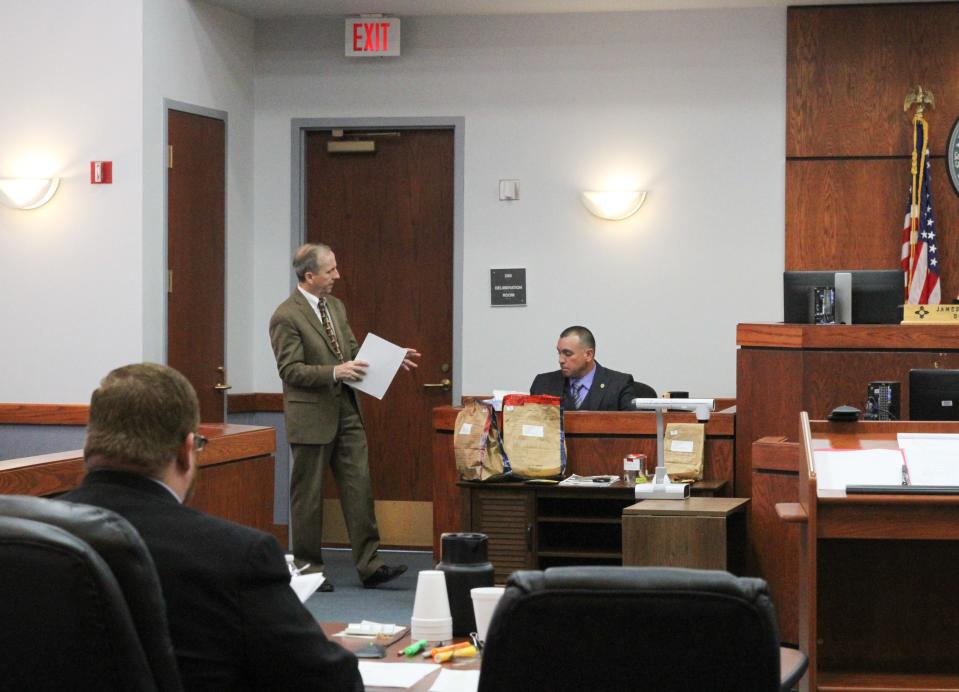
(305,584)
(384,359)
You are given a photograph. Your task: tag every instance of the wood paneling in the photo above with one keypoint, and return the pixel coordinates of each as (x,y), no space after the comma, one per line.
(775,543)
(849,68)
(768,386)
(866,337)
(848,214)
(235,480)
(44,414)
(255,402)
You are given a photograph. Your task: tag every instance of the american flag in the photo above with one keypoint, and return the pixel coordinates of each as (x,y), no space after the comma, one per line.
(922,277)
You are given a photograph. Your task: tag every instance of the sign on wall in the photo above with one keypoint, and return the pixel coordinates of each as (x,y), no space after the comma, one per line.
(507,286)
(372,37)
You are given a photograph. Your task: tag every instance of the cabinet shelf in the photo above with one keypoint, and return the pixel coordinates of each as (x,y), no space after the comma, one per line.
(853,681)
(552,519)
(598,554)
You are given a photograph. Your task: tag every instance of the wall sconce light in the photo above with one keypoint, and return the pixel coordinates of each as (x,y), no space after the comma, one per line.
(27,193)
(613,205)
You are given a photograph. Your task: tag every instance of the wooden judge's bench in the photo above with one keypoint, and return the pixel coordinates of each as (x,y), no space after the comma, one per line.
(783,369)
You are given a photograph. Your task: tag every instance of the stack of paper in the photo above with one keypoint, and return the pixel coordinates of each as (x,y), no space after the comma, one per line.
(837,468)
(932,459)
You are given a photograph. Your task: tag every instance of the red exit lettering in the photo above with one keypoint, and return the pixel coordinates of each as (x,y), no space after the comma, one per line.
(371,37)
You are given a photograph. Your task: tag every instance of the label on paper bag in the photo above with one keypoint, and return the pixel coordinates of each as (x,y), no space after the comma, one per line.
(466,429)
(532,430)
(682,446)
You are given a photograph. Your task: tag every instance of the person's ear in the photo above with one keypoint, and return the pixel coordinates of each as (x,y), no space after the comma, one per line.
(185,455)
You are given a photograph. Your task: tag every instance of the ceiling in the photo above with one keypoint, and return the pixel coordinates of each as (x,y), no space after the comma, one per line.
(269,9)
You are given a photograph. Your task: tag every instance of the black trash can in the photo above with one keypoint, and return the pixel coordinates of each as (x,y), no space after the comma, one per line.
(464,561)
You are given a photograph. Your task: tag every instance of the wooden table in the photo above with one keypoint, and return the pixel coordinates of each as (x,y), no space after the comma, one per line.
(788,658)
(392,651)
(535,526)
(698,532)
(879,602)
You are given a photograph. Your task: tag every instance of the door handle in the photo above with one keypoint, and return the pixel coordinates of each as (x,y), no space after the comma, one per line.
(443,384)
(222,386)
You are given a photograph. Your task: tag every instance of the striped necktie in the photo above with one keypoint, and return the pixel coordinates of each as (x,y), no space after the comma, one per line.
(328,326)
(576,394)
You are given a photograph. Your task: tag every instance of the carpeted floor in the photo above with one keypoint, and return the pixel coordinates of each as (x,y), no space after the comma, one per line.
(390,603)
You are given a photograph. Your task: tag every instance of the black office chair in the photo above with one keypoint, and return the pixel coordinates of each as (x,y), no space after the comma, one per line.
(641,390)
(633,628)
(82,606)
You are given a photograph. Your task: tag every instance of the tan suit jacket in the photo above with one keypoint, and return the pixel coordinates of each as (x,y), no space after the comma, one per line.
(305,360)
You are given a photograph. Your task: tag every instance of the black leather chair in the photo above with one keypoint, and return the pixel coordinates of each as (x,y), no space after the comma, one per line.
(633,628)
(82,607)
(641,390)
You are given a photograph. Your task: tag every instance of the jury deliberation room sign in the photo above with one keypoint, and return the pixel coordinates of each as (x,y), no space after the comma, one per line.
(507,286)
(372,37)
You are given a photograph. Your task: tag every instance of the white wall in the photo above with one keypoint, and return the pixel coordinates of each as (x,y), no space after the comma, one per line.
(82,277)
(70,283)
(202,56)
(688,105)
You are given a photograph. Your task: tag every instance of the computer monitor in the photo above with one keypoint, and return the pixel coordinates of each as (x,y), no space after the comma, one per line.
(876,294)
(933,394)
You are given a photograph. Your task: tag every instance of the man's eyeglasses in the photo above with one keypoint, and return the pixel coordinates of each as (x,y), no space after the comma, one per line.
(199,442)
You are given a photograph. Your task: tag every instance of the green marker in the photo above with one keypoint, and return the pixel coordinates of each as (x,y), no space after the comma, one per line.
(413,649)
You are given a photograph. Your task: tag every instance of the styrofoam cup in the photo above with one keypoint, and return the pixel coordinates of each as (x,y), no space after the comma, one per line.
(485,599)
(431,619)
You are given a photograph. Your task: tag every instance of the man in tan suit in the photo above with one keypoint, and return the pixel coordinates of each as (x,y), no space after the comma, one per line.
(315,351)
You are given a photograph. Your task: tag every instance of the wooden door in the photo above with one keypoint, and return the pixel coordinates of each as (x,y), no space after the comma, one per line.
(388,216)
(196,175)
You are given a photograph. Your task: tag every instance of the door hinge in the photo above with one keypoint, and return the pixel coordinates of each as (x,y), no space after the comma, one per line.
(169,281)
(169,156)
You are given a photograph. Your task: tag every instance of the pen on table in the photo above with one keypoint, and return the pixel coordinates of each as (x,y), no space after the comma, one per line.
(412,649)
(444,649)
(602,479)
(905,475)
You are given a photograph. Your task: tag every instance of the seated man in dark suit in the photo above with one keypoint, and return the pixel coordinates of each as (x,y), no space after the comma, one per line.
(582,382)
(234,621)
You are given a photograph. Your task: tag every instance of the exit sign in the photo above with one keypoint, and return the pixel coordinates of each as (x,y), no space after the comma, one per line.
(372,37)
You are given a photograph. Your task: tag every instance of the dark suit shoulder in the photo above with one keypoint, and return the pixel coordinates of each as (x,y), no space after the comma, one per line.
(551,383)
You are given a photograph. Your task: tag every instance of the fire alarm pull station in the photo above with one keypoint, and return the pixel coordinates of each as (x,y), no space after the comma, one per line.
(101,172)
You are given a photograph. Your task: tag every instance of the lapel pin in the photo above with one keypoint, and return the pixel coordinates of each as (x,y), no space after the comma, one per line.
(602,385)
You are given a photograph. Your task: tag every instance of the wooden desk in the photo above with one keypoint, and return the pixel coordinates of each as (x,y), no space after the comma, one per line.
(596,442)
(534,526)
(877,576)
(698,532)
(235,480)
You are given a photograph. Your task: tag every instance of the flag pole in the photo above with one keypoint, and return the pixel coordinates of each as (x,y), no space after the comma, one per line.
(920,98)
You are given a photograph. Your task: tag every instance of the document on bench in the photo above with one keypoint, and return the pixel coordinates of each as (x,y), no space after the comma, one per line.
(384,359)
(838,468)
(932,458)
(402,675)
(456,681)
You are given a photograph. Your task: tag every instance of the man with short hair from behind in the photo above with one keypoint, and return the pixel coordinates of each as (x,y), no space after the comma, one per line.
(234,621)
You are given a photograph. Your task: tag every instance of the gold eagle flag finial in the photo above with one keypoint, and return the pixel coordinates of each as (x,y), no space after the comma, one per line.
(921,98)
